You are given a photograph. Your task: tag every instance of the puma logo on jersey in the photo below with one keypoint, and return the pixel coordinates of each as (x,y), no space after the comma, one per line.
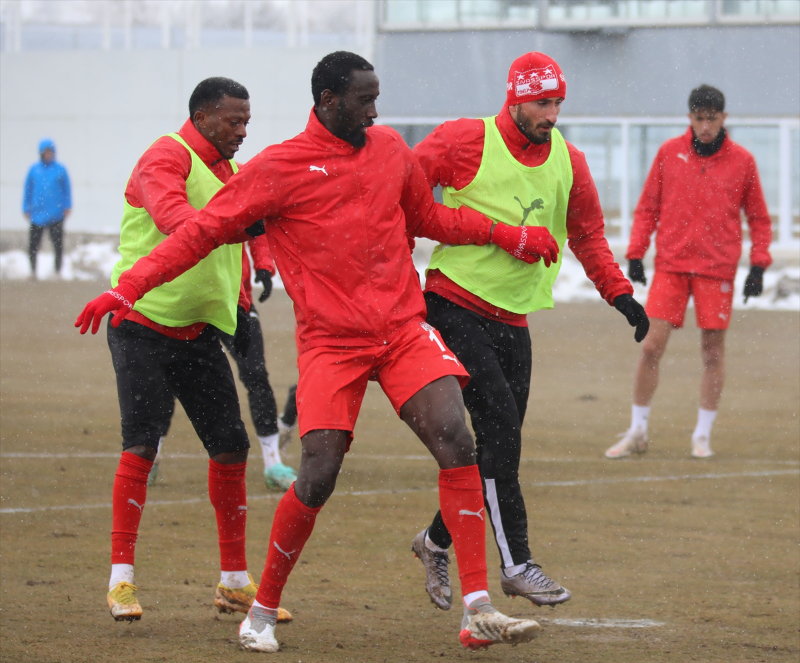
(536,204)
(282,551)
(321,169)
(450,358)
(136,504)
(478,513)
(683,156)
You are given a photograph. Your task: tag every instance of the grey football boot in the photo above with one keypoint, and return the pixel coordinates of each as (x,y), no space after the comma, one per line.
(483,625)
(437,577)
(535,586)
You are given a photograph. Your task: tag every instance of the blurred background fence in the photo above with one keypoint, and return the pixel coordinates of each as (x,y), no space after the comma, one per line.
(104,78)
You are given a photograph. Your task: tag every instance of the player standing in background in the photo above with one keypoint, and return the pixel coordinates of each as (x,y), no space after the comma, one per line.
(338,203)
(693,198)
(169,347)
(253,374)
(516,168)
(46,203)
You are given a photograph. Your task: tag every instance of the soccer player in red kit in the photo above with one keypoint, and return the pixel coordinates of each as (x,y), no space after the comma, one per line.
(338,203)
(169,347)
(693,199)
(517,167)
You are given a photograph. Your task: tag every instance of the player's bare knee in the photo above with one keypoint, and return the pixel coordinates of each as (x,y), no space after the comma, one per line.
(652,350)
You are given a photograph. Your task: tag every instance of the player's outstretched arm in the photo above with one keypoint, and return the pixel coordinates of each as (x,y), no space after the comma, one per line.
(235,214)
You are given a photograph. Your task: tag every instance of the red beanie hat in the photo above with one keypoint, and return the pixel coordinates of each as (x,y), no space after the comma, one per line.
(534,76)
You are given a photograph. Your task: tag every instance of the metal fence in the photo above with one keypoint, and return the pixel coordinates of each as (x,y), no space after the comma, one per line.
(620,151)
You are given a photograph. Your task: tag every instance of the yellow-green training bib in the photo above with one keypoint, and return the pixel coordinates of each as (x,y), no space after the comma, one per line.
(209,291)
(508,192)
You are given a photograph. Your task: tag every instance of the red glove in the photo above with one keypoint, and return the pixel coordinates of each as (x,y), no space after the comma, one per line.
(120,300)
(528,243)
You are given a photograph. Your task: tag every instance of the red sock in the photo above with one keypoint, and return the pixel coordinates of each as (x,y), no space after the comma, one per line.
(228,494)
(128,497)
(461,502)
(291,527)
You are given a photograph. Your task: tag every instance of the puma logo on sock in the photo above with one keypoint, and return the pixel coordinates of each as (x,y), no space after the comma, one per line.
(138,506)
(477,513)
(281,550)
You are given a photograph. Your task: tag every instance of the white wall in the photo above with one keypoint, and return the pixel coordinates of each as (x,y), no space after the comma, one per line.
(104,108)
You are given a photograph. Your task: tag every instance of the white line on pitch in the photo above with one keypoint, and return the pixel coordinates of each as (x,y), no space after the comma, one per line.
(604,623)
(377,457)
(356,493)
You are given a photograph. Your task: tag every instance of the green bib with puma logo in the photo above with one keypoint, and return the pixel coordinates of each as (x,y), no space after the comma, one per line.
(508,192)
(209,291)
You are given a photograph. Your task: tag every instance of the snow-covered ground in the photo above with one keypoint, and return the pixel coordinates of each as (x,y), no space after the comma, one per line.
(95,261)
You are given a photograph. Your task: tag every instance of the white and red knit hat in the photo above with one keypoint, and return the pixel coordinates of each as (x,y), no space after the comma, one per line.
(534,76)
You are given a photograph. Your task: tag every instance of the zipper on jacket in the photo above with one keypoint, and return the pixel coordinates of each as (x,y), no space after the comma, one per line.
(369,251)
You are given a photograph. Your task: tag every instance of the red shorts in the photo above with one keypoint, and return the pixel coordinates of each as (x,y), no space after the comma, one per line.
(333,379)
(669,295)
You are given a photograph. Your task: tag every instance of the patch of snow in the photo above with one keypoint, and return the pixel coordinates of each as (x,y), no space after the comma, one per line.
(95,260)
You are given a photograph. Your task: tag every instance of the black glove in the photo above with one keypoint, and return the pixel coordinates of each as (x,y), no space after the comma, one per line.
(242,337)
(264,278)
(636,272)
(754,285)
(635,314)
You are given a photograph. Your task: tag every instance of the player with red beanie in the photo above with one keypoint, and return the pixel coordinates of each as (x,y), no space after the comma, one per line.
(693,199)
(516,167)
(338,203)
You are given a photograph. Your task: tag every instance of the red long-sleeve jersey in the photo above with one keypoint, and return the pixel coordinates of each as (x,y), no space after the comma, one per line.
(451,156)
(694,206)
(337,218)
(158,183)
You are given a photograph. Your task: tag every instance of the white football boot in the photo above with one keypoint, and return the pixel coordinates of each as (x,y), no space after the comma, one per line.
(257,631)
(633,441)
(483,626)
(701,447)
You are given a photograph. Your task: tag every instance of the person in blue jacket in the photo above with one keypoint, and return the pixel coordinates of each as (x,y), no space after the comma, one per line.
(47,202)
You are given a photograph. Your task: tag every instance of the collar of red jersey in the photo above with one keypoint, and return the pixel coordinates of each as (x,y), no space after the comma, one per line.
(202,148)
(724,149)
(324,137)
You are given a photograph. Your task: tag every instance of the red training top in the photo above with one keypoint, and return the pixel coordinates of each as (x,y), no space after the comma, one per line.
(337,218)
(695,205)
(451,156)
(158,183)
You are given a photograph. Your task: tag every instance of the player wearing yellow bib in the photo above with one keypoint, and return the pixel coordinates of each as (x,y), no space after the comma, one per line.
(169,346)
(518,169)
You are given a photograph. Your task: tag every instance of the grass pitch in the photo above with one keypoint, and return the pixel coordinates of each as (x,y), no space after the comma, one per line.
(667,558)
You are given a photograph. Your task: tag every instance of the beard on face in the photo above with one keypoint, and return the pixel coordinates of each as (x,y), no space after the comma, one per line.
(527,128)
(357,137)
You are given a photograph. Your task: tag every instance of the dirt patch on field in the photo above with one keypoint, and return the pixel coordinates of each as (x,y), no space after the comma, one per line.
(705,549)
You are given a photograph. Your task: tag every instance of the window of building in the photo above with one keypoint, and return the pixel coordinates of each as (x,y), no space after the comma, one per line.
(620,152)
